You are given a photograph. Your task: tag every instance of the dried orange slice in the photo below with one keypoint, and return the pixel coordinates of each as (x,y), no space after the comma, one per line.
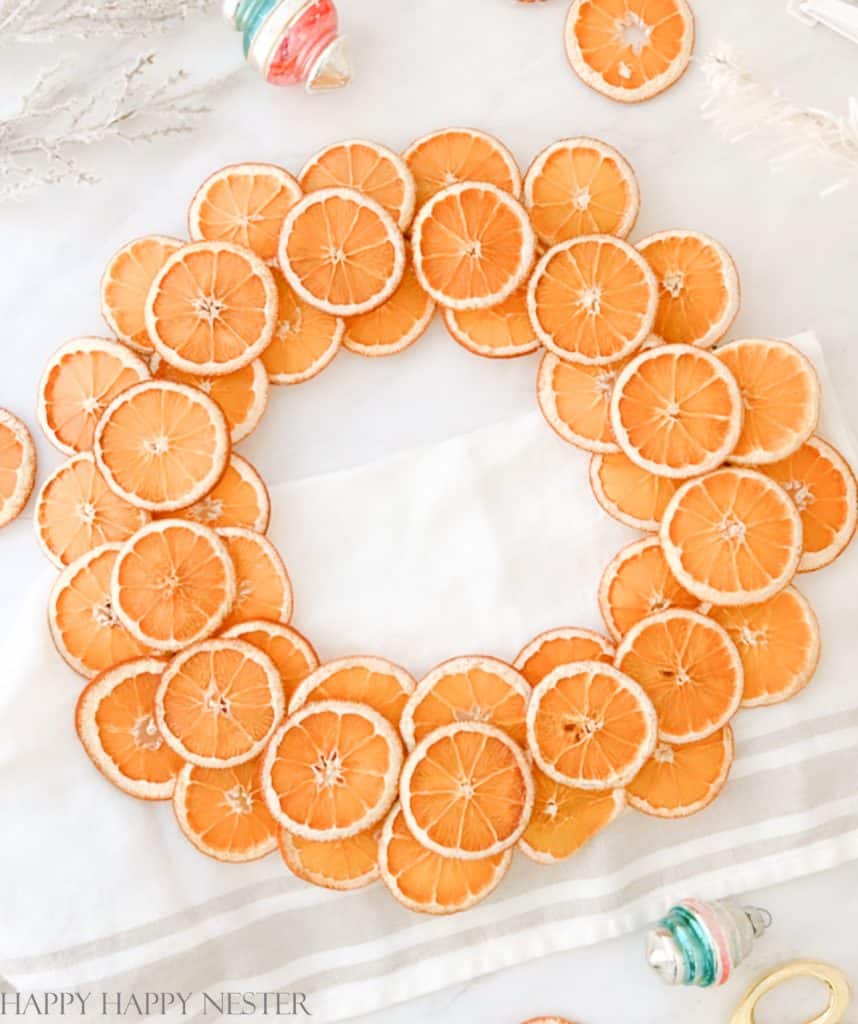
(239,498)
(305,339)
(678,781)
(331,770)
(557,647)
(821,483)
(374,170)
(344,864)
(396,324)
(581,187)
(126,283)
(592,299)
(426,882)
(780,396)
(636,583)
(628,493)
(590,726)
(629,50)
(565,819)
(244,204)
(263,589)
(469,689)
(219,703)
(85,628)
(293,654)
(732,537)
(503,331)
(473,246)
(376,682)
(81,379)
(212,308)
(115,720)
(76,511)
(456,155)
(341,252)
(162,446)
(575,398)
(222,812)
(17,467)
(778,642)
(676,411)
(698,287)
(241,395)
(467,791)
(173,584)
(688,667)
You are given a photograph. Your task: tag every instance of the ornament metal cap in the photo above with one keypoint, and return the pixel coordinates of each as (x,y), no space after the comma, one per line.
(332,69)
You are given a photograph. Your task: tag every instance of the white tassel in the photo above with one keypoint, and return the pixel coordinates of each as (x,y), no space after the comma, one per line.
(741,107)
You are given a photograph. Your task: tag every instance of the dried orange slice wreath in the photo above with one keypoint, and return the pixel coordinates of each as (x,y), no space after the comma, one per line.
(17,467)
(176,607)
(629,50)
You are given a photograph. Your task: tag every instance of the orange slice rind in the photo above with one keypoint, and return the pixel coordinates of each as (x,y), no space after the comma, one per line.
(580,187)
(80,381)
(473,246)
(219,703)
(374,170)
(115,721)
(173,584)
(467,791)
(689,668)
(678,781)
(17,467)
(376,682)
(222,813)
(631,50)
(676,411)
(557,647)
(76,511)
(331,770)
(161,446)
(565,819)
(778,642)
(244,204)
(732,537)
(472,688)
(592,299)
(341,252)
(429,883)
(590,727)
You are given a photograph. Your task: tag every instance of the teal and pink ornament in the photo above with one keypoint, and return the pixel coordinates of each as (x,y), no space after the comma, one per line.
(701,944)
(292,41)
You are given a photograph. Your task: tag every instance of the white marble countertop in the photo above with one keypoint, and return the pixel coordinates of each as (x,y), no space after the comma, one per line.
(497,65)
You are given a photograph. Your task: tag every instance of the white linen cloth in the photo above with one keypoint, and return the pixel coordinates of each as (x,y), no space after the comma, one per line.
(472,545)
(839,15)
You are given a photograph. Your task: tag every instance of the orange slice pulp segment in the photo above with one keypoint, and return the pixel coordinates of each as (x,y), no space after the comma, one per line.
(239,498)
(305,339)
(396,324)
(457,155)
(376,682)
(565,819)
(503,331)
(575,398)
(343,864)
(629,493)
(263,589)
(293,655)
(17,466)
(557,647)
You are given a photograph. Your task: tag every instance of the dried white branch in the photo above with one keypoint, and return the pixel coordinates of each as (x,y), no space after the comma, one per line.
(741,107)
(48,20)
(42,142)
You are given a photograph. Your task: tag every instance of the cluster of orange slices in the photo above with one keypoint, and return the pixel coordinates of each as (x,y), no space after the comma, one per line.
(176,607)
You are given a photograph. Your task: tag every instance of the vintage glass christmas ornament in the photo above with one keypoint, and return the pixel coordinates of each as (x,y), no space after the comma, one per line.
(701,944)
(292,41)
